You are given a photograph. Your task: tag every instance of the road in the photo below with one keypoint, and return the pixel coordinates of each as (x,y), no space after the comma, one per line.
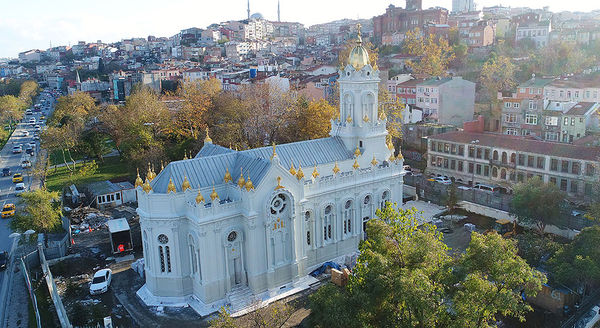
(13,161)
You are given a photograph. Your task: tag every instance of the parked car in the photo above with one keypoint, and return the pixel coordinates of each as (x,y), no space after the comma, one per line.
(101,282)
(3,260)
(8,210)
(25,163)
(18,177)
(443,180)
(28,112)
(17,149)
(6,171)
(36,136)
(484,187)
(20,188)
(25,133)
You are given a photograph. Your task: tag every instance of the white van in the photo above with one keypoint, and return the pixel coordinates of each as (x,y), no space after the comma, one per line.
(487,188)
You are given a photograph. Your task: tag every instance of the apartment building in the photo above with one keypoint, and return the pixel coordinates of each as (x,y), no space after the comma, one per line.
(573,89)
(448,100)
(533,88)
(504,160)
(538,32)
(521,117)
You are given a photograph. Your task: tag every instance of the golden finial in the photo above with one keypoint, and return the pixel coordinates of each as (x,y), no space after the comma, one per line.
(153,172)
(382,115)
(185,154)
(213,194)
(207,138)
(390,145)
(349,119)
(171,186)
(241,182)
(366,118)
(149,173)
(274,153)
(336,168)
(146,187)
(249,184)
(374,161)
(227,178)
(400,156)
(185,184)
(357,152)
(162,166)
(138,180)
(359,36)
(392,158)
(279,186)
(315,173)
(292,169)
(299,174)
(199,197)
(355,165)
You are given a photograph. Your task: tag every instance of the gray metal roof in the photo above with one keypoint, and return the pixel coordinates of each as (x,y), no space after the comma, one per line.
(102,187)
(210,164)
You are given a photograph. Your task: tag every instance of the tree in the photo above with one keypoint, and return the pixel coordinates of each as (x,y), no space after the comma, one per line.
(392,108)
(452,199)
(29,90)
(538,203)
(313,119)
(41,213)
(11,109)
(536,249)
(197,96)
(498,74)
(434,54)
(275,315)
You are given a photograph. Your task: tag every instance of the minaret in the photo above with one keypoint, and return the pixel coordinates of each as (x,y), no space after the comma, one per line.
(248,9)
(278,14)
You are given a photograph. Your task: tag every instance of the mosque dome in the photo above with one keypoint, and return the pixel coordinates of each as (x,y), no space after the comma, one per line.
(256,16)
(359,56)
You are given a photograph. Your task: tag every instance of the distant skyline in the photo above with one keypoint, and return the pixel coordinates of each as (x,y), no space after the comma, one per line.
(34,24)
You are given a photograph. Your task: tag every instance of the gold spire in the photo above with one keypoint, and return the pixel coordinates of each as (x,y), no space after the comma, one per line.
(207,138)
(390,145)
(315,173)
(199,197)
(138,180)
(213,194)
(336,168)
(241,182)
(185,154)
(185,184)
(146,186)
(162,166)
(299,174)
(355,165)
(392,158)
(374,161)
(171,186)
(349,119)
(399,156)
(149,173)
(366,118)
(249,184)
(292,169)
(227,178)
(274,153)
(358,57)
(382,115)
(357,152)
(279,186)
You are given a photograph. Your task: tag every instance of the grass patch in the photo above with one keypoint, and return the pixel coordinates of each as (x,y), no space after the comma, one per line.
(5,135)
(56,157)
(47,317)
(112,168)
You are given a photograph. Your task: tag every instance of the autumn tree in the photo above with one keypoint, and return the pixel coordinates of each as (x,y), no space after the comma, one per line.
(11,109)
(391,108)
(41,213)
(313,119)
(434,54)
(498,74)
(226,119)
(189,119)
(537,203)
(275,315)
(29,90)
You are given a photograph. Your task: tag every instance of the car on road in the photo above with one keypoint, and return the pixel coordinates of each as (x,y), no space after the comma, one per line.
(43,117)
(20,188)
(101,282)
(28,112)
(6,171)
(3,260)
(36,136)
(32,121)
(17,149)
(443,180)
(37,128)
(18,177)
(25,163)
(8,210)
(25,133)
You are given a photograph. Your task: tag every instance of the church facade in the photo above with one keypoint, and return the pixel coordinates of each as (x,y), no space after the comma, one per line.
(264,218)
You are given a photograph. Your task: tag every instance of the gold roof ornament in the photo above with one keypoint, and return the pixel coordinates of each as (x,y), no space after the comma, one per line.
(355,165)
(392,158)
(171,187)
(315,173)
(146,186)
(199,197)
(274,153)
(207,138)
(241,182)
(390,145)
(213,194)
(400,156)
(185,184)
(374,161)
(366,118)
(185,155)
(279,186)
(162,166)
(359,56)
(336,168)
(149,173)
(349,119)
(138,180)
(299,174)
(227,178)
(292,169)
(249,184)
(357,152)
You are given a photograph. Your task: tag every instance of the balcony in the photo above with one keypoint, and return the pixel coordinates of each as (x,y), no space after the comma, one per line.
(510,165)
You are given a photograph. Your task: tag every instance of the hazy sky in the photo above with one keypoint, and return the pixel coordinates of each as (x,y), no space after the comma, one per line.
(28,24)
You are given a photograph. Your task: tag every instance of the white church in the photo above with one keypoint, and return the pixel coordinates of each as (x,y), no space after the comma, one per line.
(233,224)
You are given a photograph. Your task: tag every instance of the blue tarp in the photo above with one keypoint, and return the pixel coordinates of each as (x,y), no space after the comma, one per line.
(324,267)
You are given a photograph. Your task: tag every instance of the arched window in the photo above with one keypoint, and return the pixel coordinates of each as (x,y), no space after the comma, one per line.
(495,172)
(385,197)
(193,255)
(147,251)
(513,158)
(366,214)
(161,255)
(348,217)
(307,224)
(164,253)
(495,155)
(327,223)
(504,157)
(503,174)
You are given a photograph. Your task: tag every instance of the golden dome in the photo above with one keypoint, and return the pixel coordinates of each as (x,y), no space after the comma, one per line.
(241,182)
(336,168)
(227,178)
(185,184)
(374,161)
(357,152)
(138,180)
(299,174)
(213,194)
(292,169)
(199,197)
(355,165)
(171,186)
(359,56)
(146,186)
(249,184)
(315,173)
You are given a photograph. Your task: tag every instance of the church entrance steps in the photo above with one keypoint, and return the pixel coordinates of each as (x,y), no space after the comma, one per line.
(239,297)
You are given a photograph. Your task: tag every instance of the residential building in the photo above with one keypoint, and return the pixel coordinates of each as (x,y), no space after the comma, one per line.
(30,56)
(537,32)
(406,92)
(586,89)
(396,19)
(533,88)
(460,6)
(448,100)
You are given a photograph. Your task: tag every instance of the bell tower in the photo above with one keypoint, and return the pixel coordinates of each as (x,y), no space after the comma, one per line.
(359,123)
